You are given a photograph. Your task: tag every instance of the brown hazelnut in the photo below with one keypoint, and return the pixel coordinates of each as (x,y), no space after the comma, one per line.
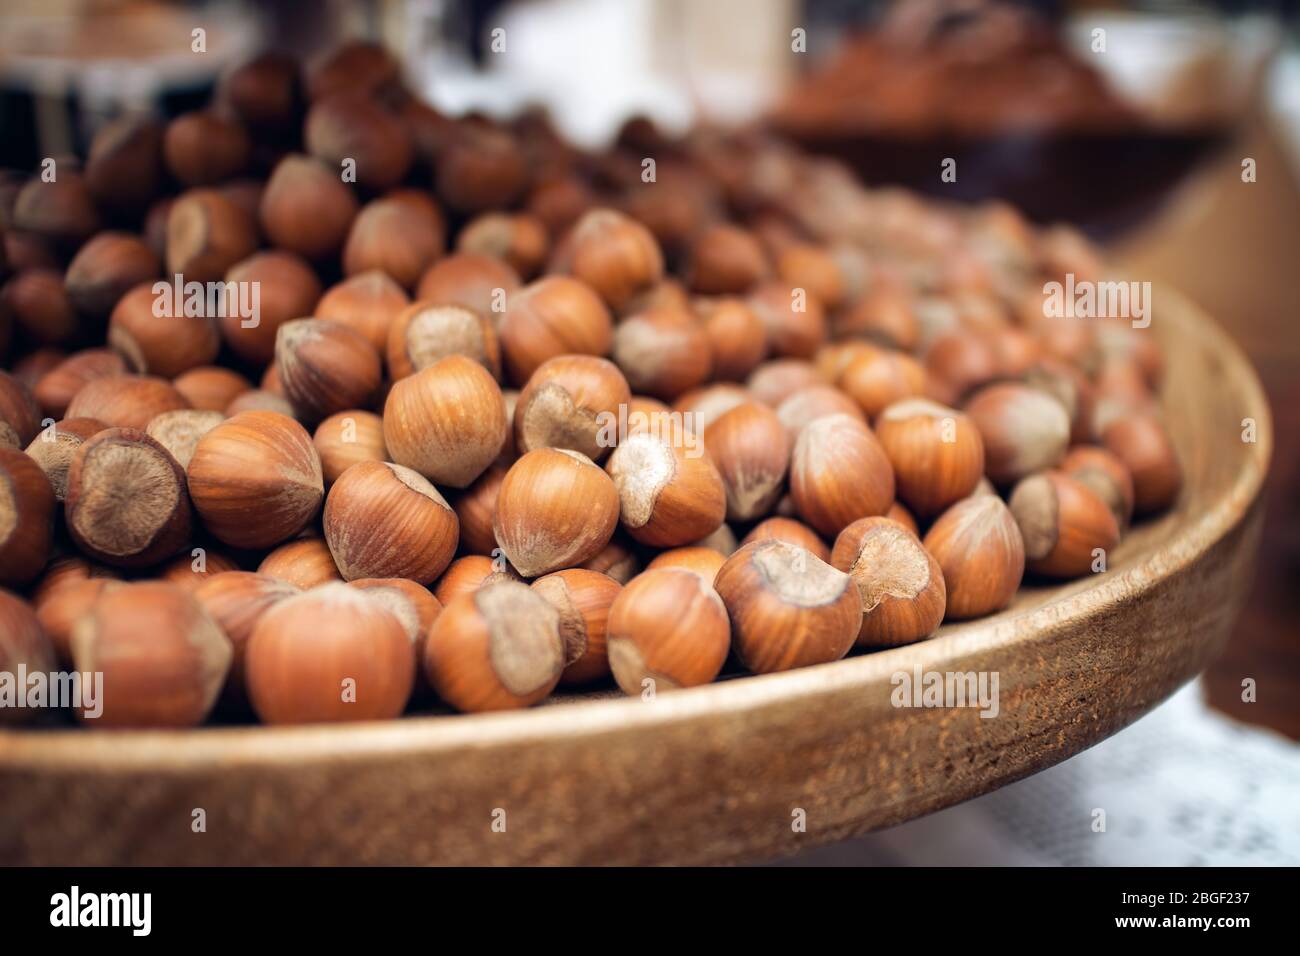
(481,168)
(807,266)
(179,431)
(695,558)
(325,367)
(23,646)
(203,148)
(386,521)
(614,254)
(555,509)
(255,479)
(189,571)
(701,407)
(812,402)
(571,401)
(476,508)
(617,560)
(59,609)
(737,337)
(31,368)
(413,606)
(667,629)
(346,438)
(476,282)
(1143,445)
(259,400)
(553,316)
(467,574)
(750,448)
(266,92)
(58,387)
(981,554)
(287,289)
(1102,473)
(788,608)
(447,421)
(125,401)
(124,168)
(582,598)
(306,208)
(520,239)
(877,381)
(160,344)
(236,600)
(54,447)
(26,517)
(327,655)
(885,315)
(40,303)
(795,319)
(1024,430)
(206,235)
(726,260)
(356,67)
(669,494)
(902,588)
(1063,525)
(839,473)
(61,211)
(163,659)
(775,381)
(423,333)
(936,452)
(958,362)
(663,352)
(349,130)
(367,302)
(399,235)
(790,531)
(18,408)
(105,268)
(303,562)
(211,388)
(560,202)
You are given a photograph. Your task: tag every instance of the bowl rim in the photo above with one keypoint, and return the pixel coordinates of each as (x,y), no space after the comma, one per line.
(179,750)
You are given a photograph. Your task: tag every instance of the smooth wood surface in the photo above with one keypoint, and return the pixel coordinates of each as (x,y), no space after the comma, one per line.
(714,774)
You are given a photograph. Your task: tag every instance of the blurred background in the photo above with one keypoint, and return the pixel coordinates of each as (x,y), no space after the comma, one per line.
(1130,120)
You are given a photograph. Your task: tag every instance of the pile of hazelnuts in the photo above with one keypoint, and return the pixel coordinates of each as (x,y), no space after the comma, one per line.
(515,416)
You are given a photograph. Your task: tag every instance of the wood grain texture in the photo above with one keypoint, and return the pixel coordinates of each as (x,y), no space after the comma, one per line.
(707,775)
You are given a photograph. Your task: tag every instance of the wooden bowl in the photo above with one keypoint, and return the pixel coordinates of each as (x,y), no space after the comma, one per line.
(714,774)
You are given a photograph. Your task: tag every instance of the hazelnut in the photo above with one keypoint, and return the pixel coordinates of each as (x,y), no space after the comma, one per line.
(126,501)
(812,402)
(266,92)
(179,431)
(259,400)
(189,571)
(466,575)
(39,302)
(839,473)
(236,601)
(553,316)
(666,293)
(26,516)
(1102,473)
(124,168)
(877,381)
(211,388)
(423,333)
(1024,430)
(885,315)
(555,509)
(203,148)
(958,362)
(669,495)
(807,266)
(695,558)
(1071,388)
(386,521)
(498,648)
(349,127)
(750,448)
(568,403)
(327,655)
(614,254)
(795,320)
(163,658)
(346,438)
(667,629)
(58,610)
(1063,525)
(399,235)
(902,588)
(1015,350)
(582,598)
(981,554)
(790,531)
(31,368)
(367,302)
(306,208)
(1143,445)
(726,260)
(477,282)
(57,388)
(125,401)
(936,452)
(788,607)
(303,562)
(617,560)
(481,168)
(23,644)
(325,367)
(560,202)
(356,67)
(904,517)
(775,381)
(447,421)
(737,337)
(663,352)
(701,407)
(61,211)
(54,447)
(256,480)
(288,289)
(164,345)
(520,239)
(206,235)
(18,408)
(105,268)
(476,508)
(413,606)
